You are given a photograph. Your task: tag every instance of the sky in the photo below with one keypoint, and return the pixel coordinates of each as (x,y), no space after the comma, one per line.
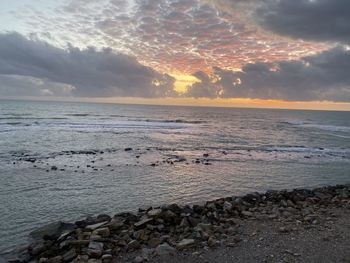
(244,53)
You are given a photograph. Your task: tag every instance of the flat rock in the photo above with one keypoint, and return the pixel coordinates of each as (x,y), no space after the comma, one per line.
(143,222)
(185,243)
(95,226)
(154,212)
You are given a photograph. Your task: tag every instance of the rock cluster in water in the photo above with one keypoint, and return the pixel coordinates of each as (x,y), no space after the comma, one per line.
(168,229)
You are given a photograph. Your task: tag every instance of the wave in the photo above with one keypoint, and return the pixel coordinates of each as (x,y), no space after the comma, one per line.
(32,118)
(109,126)
(79,114)
(175,121)
(334,128)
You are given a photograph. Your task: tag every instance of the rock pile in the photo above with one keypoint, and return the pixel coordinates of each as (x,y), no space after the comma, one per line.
(167,229)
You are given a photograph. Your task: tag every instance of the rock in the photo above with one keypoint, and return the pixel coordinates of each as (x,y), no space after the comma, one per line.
(69,255)
(95,249)
(142,223)
(165,249)
(54,168)
(115,224)
(322,196)
(37,248)
(103,217)
(284,229)
(95,226)
(52,231)
(103,232)
(168,215)
(147,253)
(107,258)
(212,242)
(283,203)
(154,212)
(227,206)
(185,243)
(133,245)
(81,259)
(154,242)
(138,259)
(57,259)
(247,213)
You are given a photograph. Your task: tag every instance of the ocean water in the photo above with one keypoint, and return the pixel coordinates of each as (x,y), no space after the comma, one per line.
(179,154)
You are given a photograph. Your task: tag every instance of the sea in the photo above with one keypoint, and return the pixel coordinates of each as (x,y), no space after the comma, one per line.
(68,160)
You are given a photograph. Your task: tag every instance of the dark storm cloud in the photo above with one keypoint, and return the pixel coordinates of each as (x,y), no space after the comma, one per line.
(320,77)
(322,20)
(83,73)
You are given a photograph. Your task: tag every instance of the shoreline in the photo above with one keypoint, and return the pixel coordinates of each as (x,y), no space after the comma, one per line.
(174,233)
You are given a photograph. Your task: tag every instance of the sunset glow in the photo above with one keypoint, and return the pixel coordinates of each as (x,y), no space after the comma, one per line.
(196,50)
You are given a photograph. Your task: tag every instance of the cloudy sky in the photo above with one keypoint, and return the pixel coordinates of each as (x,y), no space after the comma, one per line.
(278,53)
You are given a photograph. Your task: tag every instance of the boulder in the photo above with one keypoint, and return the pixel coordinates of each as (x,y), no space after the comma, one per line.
(52,231)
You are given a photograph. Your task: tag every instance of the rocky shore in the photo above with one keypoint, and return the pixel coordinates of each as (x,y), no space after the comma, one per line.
(175,233)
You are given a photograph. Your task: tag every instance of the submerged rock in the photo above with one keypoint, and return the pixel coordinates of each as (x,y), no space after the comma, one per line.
(51,231)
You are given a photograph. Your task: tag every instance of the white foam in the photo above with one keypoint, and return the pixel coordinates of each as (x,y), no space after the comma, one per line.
(334,128)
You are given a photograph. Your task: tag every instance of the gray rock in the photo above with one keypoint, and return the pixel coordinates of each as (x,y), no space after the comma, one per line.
(227,206)
(107,258)
(154,212)
(212,242)
(154,242)
(247,213)
(115,224)
(37,248)
(185,243)
(147,253)
(57,259)
(143,222)
(165,249)
(81,259)
(95,249)
(133,244)
(138,259)
(95,226)
(103,232)
(52,231)
(69,255)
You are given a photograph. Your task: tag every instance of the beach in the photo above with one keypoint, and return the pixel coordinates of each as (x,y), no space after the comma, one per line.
(300,225)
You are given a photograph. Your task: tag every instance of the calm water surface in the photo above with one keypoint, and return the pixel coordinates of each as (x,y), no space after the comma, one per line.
(248,150)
